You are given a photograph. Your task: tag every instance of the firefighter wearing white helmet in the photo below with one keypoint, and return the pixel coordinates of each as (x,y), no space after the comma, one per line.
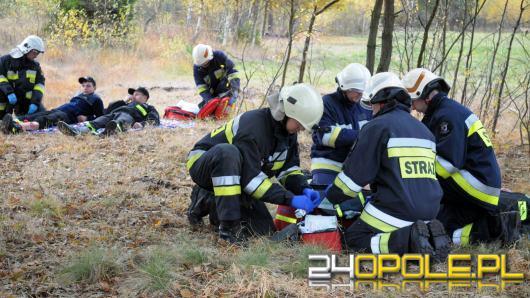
(395,154)
(233,164)
(21,78)
(215,76)
(466,165)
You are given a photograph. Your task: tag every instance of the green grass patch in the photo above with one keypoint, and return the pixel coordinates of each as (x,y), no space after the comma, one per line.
(45,207)
(91,265)
(156,270)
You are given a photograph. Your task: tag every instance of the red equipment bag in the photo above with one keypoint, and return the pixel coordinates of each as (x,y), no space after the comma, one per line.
(209,108)
(223,108)
(330,240)
(284,217)
(178,114)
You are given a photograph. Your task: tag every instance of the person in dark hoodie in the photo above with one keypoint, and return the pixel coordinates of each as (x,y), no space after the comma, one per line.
(21,78)
(137,114)
(86,105)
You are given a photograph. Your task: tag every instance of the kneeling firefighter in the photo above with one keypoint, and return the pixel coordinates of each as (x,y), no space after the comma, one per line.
(237,160)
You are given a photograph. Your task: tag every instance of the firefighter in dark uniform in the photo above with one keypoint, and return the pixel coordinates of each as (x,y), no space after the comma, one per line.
(137,114)
(237,160)
(466,165)
(214,74)
(395,154)
(21,78)
(86,105)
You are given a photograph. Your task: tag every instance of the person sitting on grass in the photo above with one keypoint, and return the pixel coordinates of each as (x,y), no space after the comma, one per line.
(86,105)
(137,114)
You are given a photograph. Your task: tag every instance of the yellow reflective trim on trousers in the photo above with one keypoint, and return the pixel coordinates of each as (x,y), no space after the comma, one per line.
(228,131)
(334,135)
(192,160)
(92,128)
(376,223)
(339,211)
(523,211)
(324,166)
(441,171)
(277,165)
(345,189)
(285,218)
(468,188)
(383,243)
(3,79)
(29,94)
(231,190)
(141,109)
(39,88)
(466,232)
(31,75)
(411,152)
(262,189)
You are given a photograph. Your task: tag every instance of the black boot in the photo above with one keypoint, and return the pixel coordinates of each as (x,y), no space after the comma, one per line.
(419,239)
(112,128)
(232,232)
(439,240)
(10,126)
(511,225)
(199,206)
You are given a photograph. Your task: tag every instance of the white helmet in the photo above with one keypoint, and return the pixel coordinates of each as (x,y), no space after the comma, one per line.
(384,81)
(303,103)
(420,82)
(30,43)
(353,76)
(202,53)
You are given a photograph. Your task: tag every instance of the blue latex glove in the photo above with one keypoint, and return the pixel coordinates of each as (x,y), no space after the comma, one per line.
(12,98)
(32,108)
(302,202)
(313,195)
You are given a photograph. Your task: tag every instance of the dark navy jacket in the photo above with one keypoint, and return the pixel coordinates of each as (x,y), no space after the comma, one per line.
(466,162)
(89,105)
(396,155)
(345,120)
(267,150)
(23,77)
(219,76)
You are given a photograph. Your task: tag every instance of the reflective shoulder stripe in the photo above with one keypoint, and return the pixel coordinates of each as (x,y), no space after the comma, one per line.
(39,87)
(290,220)
(318,163)
(411,142)
(411,152)
(192,158)
(141,109)
(470,120)
(446,165)
(225,180)
(219,73)
(31,75)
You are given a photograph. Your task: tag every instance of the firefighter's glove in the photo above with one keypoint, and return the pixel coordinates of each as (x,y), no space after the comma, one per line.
(302,202)
(313,195)
(32,108)
(12,99)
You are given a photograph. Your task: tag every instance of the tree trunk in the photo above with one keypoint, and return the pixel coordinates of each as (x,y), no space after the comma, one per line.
(455,77)
(226,27)
(289,43)
(522,8)
(444,35)
(469,60)
(265,15)
(426,34)
(386,38)
(255,13)
(199,21)
(372,35)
